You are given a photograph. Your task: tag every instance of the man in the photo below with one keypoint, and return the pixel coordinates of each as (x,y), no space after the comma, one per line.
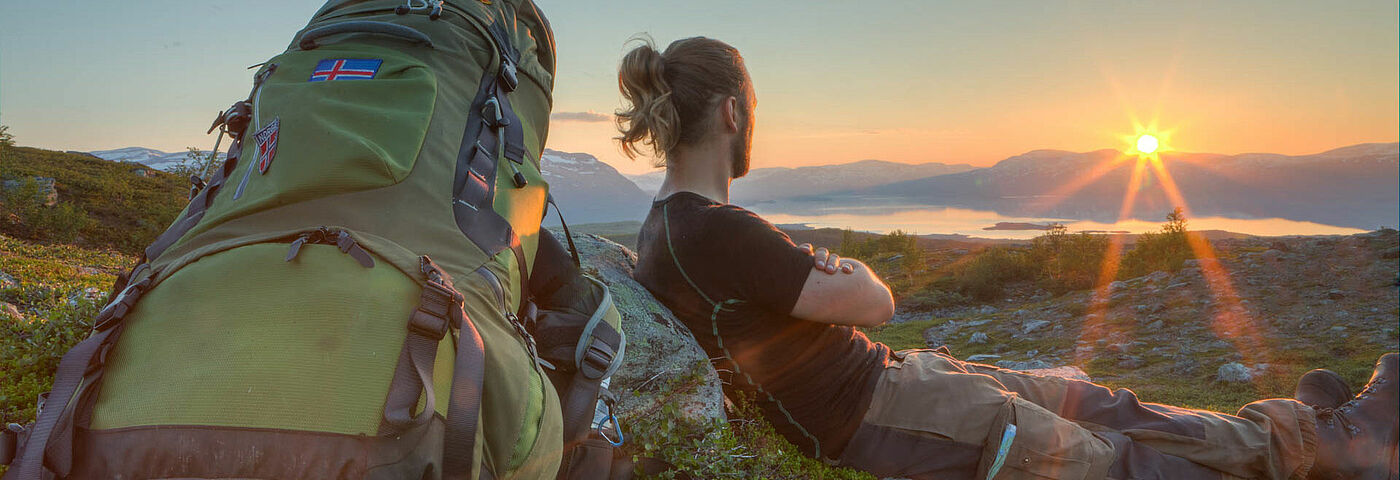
(781,318)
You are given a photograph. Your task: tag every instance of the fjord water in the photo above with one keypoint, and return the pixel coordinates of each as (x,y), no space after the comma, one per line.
(947,220)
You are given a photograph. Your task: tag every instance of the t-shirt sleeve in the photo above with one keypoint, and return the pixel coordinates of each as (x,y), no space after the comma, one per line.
(770,268)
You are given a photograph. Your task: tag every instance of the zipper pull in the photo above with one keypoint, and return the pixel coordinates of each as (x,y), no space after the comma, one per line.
(349,246)
(296,247)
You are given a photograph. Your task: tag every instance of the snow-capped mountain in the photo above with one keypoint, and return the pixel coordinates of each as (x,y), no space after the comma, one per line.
(774,183)
(149,157)
(590,191)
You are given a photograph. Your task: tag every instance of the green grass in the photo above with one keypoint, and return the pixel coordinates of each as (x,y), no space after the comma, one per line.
(124,211)
(30,347)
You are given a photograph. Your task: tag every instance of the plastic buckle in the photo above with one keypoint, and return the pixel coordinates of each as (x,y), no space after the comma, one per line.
(596,360)
(428,325)
(115,311)
(508,76)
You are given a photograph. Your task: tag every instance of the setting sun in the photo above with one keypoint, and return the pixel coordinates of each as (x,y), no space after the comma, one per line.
(1147,144)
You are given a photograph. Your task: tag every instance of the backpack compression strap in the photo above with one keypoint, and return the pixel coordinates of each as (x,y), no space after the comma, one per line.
(493,130)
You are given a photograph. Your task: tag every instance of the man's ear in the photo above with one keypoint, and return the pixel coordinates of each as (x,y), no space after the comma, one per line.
(729,114)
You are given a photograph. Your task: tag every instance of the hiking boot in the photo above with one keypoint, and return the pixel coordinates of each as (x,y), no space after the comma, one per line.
(1357,440)
(1322,388)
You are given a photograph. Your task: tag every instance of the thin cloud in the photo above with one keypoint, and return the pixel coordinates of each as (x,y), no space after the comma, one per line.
(588,116)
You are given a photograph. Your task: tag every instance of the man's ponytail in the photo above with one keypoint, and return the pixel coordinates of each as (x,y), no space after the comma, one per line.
(652,119)
(670,96)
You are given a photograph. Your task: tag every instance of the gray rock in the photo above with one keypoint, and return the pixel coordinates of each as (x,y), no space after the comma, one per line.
(987,310)
(47,191)
(1117,285)
(1335,294)
(1234,372)
(1271,255)
(1191,263)
(92,295)
(977,338)
(7,281)
(10,310)
(983,357)
(1155,325)
(662,357)
(1033,325)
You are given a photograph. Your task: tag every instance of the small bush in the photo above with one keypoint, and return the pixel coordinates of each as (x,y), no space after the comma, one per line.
(1166,250)
(1068,262)
(986,275)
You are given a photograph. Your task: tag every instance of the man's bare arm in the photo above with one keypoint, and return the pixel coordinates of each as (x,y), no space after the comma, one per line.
(844,292)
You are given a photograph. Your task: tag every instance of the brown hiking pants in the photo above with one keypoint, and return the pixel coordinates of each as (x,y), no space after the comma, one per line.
(934,416)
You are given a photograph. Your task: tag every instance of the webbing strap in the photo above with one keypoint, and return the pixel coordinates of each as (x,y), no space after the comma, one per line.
(197,206)
(464,405)
(573,250)
(413,376)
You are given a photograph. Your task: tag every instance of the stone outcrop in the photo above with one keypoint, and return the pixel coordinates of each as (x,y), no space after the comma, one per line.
(662,364)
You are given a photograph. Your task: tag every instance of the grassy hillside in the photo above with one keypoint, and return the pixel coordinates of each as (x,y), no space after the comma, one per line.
(114,205)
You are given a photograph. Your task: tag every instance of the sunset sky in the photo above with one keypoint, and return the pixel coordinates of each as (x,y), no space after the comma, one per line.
(916,81)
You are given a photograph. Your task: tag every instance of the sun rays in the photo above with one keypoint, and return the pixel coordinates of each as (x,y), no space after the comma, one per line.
(1229,319)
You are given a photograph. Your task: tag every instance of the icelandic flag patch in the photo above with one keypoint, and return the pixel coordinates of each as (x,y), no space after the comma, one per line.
(345,69)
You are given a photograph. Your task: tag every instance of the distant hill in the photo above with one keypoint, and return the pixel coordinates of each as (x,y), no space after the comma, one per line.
(775,183)
(129,205)
(149,157)
(1353,186)
(590,191)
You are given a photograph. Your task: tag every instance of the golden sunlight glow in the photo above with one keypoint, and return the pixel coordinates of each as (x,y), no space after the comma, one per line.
(1147,144)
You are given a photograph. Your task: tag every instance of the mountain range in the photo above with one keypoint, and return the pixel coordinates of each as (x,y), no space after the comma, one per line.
(1353,186)
(149,157)
(777,183)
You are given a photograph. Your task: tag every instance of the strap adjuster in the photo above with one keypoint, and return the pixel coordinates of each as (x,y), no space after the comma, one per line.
(509,78)
(115,311)
(596,359)
(427,324)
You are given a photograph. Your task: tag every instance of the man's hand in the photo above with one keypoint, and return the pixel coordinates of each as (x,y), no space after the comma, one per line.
(827,261)
(856,298)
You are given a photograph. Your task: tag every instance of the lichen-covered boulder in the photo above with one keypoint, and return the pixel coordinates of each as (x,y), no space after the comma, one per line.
(662,364)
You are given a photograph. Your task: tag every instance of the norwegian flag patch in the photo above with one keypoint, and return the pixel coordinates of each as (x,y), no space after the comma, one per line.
(266,139)
(333,69)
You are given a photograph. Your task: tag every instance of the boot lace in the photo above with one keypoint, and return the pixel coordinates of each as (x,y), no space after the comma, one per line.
(1334,416)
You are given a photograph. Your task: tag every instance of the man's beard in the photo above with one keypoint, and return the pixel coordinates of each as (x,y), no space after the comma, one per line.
(739,157)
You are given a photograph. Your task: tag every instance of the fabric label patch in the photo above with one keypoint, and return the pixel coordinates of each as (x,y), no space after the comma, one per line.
(266,139)
(332,69)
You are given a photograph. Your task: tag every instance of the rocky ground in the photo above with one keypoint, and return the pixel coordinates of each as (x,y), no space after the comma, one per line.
(1208,336)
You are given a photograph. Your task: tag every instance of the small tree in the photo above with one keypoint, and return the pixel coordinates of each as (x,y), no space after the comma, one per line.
(6,138)
(1165,250)
(198,163)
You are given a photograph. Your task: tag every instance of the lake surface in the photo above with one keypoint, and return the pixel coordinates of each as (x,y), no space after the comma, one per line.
(925,220)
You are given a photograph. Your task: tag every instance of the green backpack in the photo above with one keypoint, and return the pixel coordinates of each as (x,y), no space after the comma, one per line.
(347,297)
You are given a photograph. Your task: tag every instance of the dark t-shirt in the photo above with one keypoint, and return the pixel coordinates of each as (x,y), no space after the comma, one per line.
(723,269)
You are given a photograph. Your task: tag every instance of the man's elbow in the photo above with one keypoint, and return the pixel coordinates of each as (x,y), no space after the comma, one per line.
(879,307)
